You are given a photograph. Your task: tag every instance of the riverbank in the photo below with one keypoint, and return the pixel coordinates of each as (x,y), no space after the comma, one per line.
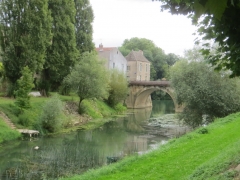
(210,152)
(96,114)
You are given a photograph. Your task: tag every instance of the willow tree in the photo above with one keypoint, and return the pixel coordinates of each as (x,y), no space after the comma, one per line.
(62,53)
(89,78)
(25,35)
(83,25)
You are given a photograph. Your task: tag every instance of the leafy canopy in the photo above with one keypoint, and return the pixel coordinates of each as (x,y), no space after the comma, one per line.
(118,87)
(25,34)
(89,78)
(204,92)
(218,21)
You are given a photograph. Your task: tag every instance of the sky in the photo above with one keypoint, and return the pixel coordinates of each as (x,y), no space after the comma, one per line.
(117,20)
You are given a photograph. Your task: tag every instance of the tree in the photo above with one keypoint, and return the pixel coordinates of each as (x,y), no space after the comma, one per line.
(25,35)
(24,87)
(89,78)
(194,54)
(118,88)
(62,54)
(204,92)
(83,25)
(218,23)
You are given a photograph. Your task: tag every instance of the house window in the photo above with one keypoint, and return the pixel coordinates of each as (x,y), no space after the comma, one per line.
(128,68)
(146,78)
(140,67)
(146,67)
(113,65)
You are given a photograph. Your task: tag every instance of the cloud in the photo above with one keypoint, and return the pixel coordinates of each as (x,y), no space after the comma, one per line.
(117,20)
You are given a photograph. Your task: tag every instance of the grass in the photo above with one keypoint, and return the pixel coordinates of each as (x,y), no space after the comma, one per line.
(196,155)
(6,133)
(95,109)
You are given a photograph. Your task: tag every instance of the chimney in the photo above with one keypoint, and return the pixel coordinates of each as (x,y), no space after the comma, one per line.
(141,51)
(100,47)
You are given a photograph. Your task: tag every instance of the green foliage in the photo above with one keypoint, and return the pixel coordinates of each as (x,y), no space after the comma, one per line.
(24,87)
(25,35)
(160,61)
(204,92)
(83,25)
(120,108)
(89,78)
(50,118)
(118,88)
(6,133)
(97,109)
(218,23)
(25,120)
(62,54)
(203,131)
(1,70)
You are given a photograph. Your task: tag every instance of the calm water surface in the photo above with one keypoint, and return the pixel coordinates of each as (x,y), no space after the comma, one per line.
(79,151)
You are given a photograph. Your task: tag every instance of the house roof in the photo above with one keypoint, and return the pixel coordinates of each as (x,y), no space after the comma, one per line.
(104,49)
(136,56)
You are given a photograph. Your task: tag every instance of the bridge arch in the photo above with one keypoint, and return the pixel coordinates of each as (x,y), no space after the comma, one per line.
(140,91)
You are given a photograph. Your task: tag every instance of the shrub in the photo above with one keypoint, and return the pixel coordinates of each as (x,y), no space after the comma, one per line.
(50,118)
(25,120)
(24,86)
(120,108)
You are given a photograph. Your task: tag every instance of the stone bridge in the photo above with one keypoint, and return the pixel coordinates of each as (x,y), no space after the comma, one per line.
(139,94)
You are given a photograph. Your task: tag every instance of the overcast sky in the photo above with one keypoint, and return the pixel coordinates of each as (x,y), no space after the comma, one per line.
(117,20)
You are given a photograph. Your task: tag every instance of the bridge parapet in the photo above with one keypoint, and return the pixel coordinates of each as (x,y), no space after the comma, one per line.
(150,83)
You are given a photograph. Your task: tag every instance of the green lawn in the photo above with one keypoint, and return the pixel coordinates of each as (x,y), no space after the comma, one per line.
(193,156)
(96,110)
(6,133)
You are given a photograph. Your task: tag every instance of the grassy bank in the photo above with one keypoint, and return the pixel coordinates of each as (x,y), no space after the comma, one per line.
(96,113)
(6,133)
(207,153)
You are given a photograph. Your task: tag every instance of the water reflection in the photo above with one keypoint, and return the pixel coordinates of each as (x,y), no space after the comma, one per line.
(78,151)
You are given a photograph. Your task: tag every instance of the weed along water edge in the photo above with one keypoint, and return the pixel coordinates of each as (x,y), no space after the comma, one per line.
(76,152)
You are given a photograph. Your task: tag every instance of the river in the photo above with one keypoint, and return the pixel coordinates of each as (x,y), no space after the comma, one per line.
(76,152)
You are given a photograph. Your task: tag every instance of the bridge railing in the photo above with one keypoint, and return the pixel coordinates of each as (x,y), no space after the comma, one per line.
(150,83)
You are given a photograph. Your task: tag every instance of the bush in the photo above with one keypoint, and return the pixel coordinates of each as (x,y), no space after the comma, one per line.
(120,108)
(25,121)
(50,118)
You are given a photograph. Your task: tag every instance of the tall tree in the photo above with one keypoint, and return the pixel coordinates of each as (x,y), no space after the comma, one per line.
(83,25)
(62,54)
(25,35)
(219,23)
